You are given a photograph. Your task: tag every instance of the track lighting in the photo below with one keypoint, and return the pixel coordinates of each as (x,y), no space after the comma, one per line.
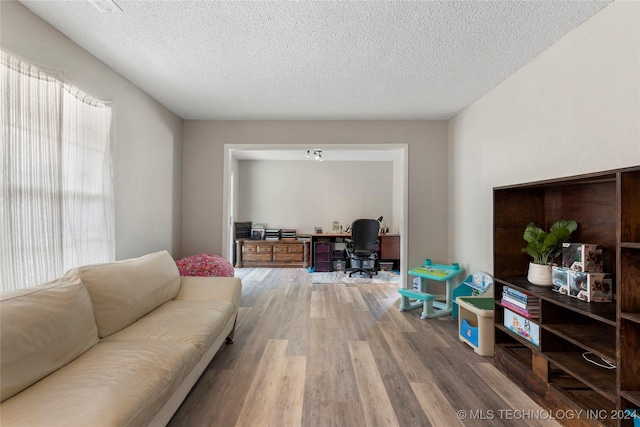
(317,154)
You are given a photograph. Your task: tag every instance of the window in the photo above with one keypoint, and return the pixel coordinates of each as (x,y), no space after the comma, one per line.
(56,208)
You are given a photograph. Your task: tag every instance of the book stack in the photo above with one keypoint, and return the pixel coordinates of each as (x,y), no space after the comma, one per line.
(288,234)
(521,302)
(272,234)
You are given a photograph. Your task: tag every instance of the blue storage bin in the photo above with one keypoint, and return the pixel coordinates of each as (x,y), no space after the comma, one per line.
(475,323)
(469,332)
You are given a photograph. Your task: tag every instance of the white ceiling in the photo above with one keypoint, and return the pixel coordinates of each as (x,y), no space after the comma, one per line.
(316,60)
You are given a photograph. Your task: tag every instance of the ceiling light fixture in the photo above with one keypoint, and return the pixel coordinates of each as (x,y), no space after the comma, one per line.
(317,154)
(106,5)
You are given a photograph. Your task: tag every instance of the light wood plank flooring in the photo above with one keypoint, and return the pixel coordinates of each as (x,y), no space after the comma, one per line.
(343,355)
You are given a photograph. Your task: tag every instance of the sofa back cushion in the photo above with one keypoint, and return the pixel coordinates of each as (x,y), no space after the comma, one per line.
(124,291)
(43,329)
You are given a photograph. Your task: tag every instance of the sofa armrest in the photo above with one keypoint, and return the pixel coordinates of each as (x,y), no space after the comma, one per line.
(210,288)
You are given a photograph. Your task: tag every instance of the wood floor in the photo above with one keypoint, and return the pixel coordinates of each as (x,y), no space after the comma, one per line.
(343,355)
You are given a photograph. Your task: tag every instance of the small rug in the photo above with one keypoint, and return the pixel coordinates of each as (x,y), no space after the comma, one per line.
(341,277)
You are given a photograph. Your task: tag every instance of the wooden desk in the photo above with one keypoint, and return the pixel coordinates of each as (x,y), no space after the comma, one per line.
(389,246)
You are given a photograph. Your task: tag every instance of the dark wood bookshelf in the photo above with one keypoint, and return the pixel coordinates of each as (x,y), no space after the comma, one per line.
(555,374)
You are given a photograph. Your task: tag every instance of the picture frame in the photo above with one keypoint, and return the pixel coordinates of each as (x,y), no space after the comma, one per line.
(257,233)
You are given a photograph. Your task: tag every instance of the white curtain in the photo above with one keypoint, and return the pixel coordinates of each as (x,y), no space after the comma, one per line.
(56,208)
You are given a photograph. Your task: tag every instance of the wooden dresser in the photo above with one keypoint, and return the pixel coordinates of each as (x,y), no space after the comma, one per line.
(272,253)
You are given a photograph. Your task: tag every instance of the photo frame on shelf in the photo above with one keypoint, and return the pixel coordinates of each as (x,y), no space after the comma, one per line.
(257,234)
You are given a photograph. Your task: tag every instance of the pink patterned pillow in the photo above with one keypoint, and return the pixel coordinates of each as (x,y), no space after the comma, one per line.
(205,265)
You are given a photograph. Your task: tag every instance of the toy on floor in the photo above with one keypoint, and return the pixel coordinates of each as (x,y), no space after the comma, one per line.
(430,307)
(475,284)
(475,323)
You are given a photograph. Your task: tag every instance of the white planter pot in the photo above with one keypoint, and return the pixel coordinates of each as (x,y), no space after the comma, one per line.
(539,274)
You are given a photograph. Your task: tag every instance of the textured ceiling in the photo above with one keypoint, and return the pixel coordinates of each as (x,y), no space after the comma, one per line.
(316,60)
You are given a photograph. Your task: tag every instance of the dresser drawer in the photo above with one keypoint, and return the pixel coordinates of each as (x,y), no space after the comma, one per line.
(288,249)
(295,249)
(257,248)
(288,257)
(322,246)
(280,249)
(322,256)
(256,257)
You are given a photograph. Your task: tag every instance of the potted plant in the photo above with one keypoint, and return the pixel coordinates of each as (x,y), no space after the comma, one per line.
(544,247)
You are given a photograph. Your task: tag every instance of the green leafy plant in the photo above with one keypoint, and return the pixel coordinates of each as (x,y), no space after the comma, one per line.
(544,247)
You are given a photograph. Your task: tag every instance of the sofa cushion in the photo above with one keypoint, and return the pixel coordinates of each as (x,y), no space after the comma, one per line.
(124,291)
(196,322)
(43,328)
(208,288)
(113,384)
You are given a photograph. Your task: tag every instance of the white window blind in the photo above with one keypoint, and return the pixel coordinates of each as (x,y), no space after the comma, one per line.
(57,194)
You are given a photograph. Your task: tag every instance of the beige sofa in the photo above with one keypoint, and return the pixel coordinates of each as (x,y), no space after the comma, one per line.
(117,344)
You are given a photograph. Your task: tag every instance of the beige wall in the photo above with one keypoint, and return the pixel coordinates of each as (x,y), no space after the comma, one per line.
(148,159)
(574,109)
(307,193)
(427,182)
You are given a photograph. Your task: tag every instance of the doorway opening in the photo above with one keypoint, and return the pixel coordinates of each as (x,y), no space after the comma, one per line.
(395,153)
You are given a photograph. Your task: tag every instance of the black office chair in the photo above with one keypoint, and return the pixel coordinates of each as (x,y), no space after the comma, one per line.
(362,245)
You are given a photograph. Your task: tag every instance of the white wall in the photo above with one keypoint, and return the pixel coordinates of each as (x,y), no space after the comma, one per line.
(427,213)
(148,159)
(574,109)
(307,193)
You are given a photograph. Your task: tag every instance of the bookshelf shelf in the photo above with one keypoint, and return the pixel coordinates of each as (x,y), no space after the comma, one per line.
(602,381)
(634,317)
(596,338)
(517,338)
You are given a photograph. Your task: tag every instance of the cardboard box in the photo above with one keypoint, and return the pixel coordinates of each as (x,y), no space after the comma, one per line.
(590,287)
(522,326)
(582,257)
(559,278)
